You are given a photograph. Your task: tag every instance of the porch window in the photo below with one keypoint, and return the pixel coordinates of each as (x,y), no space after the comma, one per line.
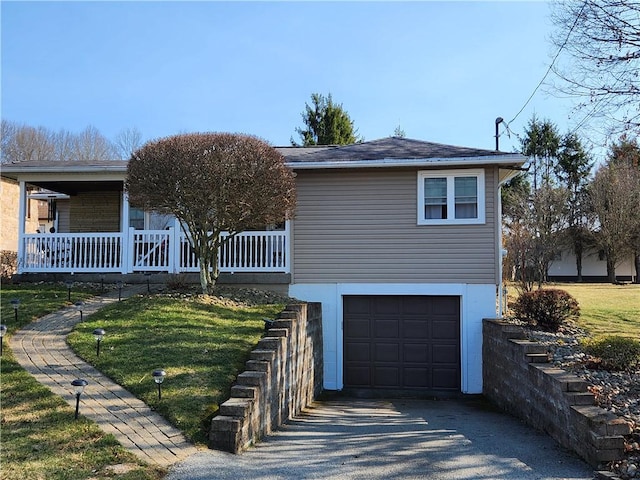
(451,197)
(136,218)
(141,220)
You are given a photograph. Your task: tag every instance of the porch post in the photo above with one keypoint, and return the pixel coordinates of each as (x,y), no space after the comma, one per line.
(177,246)
(289,245)
(124,232)
(22,213)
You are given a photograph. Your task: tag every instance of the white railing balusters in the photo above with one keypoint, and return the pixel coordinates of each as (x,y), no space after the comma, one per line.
(150,250)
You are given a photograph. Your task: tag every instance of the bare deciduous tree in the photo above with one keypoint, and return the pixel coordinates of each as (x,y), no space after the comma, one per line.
(213,183)
(615,196)
(127,141)
(23,143)
(600,42)
(90,145)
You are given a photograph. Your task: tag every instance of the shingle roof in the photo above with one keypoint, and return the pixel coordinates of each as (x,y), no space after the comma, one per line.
(385,148)
(359,154)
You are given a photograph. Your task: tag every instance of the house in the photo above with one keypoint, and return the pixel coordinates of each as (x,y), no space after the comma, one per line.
(398,239)
(35,210)
(594,267)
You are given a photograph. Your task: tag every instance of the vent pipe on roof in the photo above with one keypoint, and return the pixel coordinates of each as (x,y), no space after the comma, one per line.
(499,120)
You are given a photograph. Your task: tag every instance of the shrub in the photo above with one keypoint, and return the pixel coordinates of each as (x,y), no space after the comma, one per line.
(547,309)
(615,352)
(178,282)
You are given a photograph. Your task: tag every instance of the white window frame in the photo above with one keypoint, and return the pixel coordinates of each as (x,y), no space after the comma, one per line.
(450,175)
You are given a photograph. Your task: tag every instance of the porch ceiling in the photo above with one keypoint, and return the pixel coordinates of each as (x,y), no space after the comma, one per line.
(73,188)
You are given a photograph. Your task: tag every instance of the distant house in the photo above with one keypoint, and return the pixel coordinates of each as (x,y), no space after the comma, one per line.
(594,268)
(398,239)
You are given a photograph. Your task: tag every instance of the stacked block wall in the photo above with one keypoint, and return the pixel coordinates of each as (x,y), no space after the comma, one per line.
(518,378)
(283,376)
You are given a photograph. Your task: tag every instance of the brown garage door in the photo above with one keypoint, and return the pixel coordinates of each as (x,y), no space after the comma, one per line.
(402,342)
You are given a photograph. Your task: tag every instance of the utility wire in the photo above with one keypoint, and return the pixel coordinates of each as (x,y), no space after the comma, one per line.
(566,40)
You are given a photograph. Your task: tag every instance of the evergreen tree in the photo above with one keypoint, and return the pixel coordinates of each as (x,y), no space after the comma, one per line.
(326,123)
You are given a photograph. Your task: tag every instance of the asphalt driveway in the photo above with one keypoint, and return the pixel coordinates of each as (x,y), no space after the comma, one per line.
(399,439)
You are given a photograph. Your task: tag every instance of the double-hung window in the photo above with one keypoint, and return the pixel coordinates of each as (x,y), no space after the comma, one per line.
(450,197)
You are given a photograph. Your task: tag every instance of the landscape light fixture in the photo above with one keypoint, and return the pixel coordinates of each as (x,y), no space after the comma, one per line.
(148,275)
(80,308)
(102,283)
(119,285)
(98,334)
(158,376)
(68,284)
(268,323)
(78,388)
(3,330)
(15,303)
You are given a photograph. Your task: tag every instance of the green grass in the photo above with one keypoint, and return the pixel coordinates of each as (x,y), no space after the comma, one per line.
(36,300)
(201,345)
(40,438)
(607,309)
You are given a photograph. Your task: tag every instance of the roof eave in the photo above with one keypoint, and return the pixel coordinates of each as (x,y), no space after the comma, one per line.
(504,159)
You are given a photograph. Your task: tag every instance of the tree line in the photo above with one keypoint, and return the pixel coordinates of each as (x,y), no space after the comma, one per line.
(559,205)
(22,143)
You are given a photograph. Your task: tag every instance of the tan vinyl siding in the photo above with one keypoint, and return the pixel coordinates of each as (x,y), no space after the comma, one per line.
(64,219)
(95,212)
(361,226)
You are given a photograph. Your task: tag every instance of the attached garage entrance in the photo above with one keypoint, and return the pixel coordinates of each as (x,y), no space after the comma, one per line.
(394,342)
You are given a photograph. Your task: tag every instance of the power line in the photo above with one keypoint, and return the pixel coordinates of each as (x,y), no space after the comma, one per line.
(566,40)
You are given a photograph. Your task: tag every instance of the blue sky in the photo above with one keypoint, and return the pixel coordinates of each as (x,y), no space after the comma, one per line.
(443,71)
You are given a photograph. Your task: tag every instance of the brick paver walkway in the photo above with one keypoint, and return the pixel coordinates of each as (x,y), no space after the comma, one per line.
(41,349)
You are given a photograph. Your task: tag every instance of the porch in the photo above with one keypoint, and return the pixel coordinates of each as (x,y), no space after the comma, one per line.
(137,251)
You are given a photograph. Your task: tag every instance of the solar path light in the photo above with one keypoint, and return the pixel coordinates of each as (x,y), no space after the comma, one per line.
(68,284)
(78,388)
(119,285)
(3,330)
(158,376)
(80,307)
(15,303)
(98,334)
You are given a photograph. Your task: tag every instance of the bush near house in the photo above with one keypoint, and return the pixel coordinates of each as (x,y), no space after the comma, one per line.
(546,309)
(613,352)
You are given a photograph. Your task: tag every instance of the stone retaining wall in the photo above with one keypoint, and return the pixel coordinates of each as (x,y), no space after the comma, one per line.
(518,378)
(283,376)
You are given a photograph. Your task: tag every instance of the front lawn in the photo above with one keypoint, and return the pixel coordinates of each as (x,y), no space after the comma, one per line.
(202,343)
(40,438)
(606,309)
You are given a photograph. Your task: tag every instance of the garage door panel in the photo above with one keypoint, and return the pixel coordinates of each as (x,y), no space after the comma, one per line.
(386,377)
(358,376)
(386,328)
(402,342)
(357,305)
(446,379)
(386,352)
(358,352)
(415,329)
(418,353)
(445,354)
(386,304)
(446,306)
(415,305)
(444,330)
(358,328)
(417,377)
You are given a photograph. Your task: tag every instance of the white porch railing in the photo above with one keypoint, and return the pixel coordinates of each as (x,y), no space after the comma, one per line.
(149,251)
(72,252)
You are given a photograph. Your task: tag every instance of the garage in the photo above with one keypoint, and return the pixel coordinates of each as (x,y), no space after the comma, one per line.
(402,342)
